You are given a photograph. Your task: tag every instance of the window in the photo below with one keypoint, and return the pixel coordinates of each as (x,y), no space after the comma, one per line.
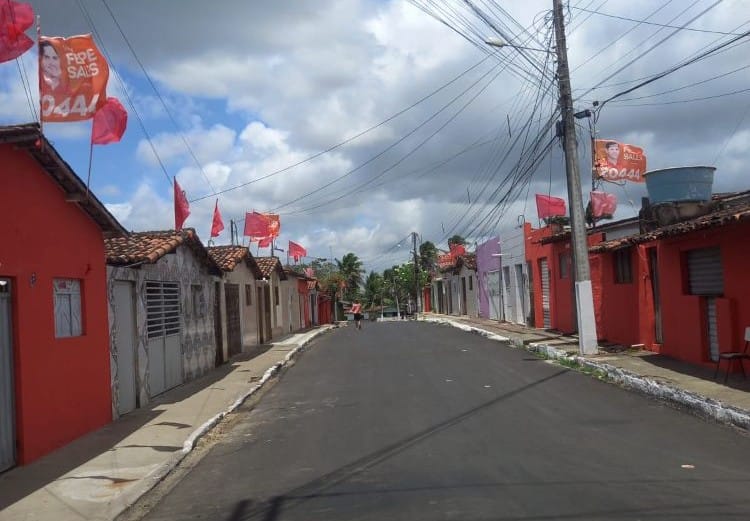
(564,259)
(67,294)
(248,295)
(623,267)
(162,309)
(198,300)
(471,283)
(276,295)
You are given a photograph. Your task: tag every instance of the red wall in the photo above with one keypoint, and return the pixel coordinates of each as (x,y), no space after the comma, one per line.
(62,386)
(427,299)
(305,301)
(324,309)
(683,315)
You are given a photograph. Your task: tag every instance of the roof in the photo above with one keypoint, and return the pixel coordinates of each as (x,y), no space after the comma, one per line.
(268,265)
(149,247)
(565,235)
(229,256)
(29,138)
(724,216)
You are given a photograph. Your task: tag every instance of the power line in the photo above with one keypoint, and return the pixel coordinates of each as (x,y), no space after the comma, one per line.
(653,23)
(158,95)
(348,140)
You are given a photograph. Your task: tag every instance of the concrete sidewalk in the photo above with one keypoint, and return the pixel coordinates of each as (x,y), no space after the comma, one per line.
(684,385)
(101,474)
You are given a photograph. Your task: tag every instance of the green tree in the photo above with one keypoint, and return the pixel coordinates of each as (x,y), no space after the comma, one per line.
(427,256)
(351,268)
(457,239)
(373,290)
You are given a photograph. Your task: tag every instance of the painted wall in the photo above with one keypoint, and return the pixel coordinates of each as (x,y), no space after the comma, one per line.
(683,315)
(59,382)
(485,264)
(196,328)
(243,276)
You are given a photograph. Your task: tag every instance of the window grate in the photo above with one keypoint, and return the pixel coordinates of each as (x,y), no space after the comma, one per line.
(162,309)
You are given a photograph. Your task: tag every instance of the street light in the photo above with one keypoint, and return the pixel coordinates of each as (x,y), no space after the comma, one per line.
(587,338)
(500,43)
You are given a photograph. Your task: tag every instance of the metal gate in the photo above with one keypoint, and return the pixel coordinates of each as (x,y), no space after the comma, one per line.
(493,287)
(7,402)
(163,333)
(544,269)
(234,331)
(127,384)
(508,299)
(706,278)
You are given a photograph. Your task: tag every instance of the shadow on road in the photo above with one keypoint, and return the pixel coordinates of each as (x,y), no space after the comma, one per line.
(271,510)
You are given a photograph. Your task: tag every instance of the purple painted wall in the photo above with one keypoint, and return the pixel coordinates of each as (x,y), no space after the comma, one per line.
(485,263)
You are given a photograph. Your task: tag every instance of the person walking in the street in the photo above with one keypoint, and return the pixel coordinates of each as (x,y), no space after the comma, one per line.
(357,310)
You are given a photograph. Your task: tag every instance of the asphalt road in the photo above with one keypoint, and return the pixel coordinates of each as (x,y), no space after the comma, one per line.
(416,421)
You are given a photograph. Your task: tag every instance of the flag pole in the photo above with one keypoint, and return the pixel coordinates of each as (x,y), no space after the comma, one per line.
(40,75)
(91,157)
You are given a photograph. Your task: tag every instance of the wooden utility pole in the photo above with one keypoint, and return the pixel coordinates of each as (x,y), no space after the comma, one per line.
(587,341)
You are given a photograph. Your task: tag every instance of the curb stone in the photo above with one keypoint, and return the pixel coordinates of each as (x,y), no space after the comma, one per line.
(149,482)
(697,404)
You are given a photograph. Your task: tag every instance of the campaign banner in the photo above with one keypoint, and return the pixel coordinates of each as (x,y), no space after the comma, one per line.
(615,161)
(445,260)
(73,78)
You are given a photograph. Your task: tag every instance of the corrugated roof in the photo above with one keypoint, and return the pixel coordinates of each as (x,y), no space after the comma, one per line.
(149,247)
(29,138)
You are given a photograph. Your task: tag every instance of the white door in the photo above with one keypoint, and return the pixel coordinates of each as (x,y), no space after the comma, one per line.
(544,268)
(7,403)
(493,289)
(127,387)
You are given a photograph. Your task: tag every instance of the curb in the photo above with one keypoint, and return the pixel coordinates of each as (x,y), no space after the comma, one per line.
(150,481)
(695,403)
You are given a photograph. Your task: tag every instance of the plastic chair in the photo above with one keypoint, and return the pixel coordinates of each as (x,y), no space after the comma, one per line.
(732,356)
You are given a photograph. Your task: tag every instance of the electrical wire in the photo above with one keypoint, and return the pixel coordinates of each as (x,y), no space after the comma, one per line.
(653,23)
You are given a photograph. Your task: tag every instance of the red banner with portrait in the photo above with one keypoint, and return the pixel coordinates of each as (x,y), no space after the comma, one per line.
(615,161)
(73,78)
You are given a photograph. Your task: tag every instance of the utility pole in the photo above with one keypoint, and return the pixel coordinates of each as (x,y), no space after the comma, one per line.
(416,275)
(584,297)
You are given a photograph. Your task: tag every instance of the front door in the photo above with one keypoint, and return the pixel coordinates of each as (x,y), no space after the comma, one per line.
(7,402)
(127,386)
(267,313)
(234,333)
(493,287)
(546,310)
(653,268)
(218,335)
(260,315)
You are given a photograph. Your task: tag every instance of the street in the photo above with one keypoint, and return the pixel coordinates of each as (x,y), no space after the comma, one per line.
(406,420)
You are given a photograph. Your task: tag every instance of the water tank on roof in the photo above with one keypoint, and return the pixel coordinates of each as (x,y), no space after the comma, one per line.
(683,183)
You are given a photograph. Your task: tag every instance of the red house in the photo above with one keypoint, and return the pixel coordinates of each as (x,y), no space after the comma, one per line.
(678,288)
(54,355)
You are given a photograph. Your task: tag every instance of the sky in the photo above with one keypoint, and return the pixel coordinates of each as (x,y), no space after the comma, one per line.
(362,121)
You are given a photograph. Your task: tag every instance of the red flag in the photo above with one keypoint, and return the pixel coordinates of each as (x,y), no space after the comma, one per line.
(73,77)
(181,206)
(547,206)
(457,250)
(15,18)
(110,122)
(603,204)
(217,225)
(296,251)
(256,225)
(265,242)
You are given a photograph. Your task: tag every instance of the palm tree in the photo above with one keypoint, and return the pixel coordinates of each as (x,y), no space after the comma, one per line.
(351,268)
(427,256)
(457,239)
(373,290)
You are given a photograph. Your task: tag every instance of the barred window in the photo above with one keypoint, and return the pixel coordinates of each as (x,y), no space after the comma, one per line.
(162,309)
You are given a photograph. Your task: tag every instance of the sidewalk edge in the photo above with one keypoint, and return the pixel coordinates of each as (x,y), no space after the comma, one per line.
(696,403)
(161,472)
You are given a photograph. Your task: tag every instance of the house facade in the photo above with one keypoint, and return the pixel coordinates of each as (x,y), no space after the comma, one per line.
(238,300)
(269,290)
(164,310)
(54,355)
(489,265)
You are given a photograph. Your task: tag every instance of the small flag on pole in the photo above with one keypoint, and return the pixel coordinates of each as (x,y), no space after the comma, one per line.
(15,18)
(110,123)
(296,251)
(217,225)
(181,206)
(547,206)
